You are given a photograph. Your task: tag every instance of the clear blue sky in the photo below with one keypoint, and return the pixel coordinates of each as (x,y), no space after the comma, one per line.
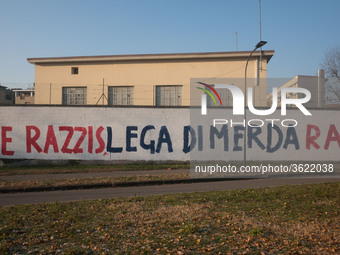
(300,31)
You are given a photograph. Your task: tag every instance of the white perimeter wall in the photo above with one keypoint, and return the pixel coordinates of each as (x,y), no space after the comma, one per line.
(83,133)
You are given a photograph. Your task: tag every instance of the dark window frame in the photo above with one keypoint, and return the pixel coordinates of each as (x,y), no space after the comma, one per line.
(75,70)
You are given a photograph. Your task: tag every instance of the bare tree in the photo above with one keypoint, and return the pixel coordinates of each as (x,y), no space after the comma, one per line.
(331,65)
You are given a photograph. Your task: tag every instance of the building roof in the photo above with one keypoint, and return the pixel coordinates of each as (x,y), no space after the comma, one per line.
(151,57)
(23,90)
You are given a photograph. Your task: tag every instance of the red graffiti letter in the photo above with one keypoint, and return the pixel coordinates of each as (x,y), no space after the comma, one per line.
(90,140)
(100,140)
(65,148)
(310,140)
(51,140)
(77,148)
(332,135)
(32,141)
(6,140)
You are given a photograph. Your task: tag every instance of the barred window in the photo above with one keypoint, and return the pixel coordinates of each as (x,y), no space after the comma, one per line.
(169,95)
(74,95)
(74,70)
(120,95)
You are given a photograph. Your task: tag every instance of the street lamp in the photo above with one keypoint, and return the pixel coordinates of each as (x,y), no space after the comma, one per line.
(258,45)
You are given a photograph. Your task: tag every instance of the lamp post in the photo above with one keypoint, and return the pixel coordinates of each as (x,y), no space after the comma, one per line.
(258,45)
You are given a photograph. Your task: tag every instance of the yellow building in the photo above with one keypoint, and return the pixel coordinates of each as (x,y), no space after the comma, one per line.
(24,96)
(145,80)
(314,84)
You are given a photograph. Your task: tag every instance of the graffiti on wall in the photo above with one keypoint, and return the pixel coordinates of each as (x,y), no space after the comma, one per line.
(157,134)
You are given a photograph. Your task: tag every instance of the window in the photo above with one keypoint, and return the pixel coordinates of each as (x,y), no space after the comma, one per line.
(74,70)
(169,95)
(120,95)
(74,95)
(225,95)
(22,95)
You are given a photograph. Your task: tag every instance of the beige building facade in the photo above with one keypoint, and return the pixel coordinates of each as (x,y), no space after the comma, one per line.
(314,84)
(24,96)
(142,80)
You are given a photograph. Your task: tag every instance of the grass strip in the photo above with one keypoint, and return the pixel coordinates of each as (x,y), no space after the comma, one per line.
(301,219)
(86,183)
(77,168)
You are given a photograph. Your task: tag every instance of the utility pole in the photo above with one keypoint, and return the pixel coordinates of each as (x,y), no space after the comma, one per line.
(103,92)
(260,23)
(103,95)
(236,40)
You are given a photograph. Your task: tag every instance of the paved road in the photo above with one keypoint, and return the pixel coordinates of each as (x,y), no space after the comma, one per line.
(75,195)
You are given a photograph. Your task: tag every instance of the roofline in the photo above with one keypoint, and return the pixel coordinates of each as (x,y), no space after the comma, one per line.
(23,90)
(151,57)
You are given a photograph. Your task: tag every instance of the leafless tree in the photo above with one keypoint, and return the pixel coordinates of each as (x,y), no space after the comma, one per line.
(331,65)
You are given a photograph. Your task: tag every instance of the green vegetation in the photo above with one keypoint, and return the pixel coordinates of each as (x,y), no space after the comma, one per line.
(78,168)
(85,182)
(281,220)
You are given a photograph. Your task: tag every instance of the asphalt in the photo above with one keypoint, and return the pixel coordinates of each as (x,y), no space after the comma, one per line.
(108,193)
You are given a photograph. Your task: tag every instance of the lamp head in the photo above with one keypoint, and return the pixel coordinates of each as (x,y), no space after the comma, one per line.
(260,44)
